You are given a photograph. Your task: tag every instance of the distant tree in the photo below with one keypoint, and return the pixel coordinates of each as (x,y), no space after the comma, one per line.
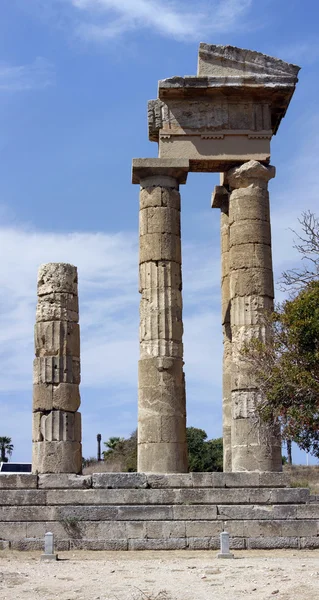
(203,455)
(6,448)
(112,444)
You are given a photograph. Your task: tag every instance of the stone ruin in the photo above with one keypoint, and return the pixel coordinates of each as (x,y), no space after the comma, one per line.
(221,120)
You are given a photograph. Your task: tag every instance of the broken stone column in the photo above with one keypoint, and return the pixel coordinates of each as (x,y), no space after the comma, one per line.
(220,199)
(162,444)
(56,432)
(256,446)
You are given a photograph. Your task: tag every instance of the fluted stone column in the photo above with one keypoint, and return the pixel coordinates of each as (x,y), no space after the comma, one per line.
(161,402)
(220,199)
(256,446)
(56,431)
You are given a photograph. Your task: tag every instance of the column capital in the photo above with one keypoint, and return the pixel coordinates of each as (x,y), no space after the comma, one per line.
(160,171)
(220,197)
(252,172)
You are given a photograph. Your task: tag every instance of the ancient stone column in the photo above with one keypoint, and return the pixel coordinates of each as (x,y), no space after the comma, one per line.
(56,372)
(220,199)
(256,446)
(161,402)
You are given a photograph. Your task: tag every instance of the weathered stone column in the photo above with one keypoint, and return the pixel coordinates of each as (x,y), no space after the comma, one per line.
(256,446)
(56,372)
(161,402)
(220,199)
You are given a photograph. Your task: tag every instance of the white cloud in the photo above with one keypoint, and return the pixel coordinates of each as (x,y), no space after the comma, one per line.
(104,19)
(20,78)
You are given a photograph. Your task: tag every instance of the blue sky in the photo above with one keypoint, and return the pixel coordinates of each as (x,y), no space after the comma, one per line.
(75,78)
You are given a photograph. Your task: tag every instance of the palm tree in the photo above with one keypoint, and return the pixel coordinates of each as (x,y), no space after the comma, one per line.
(6,448)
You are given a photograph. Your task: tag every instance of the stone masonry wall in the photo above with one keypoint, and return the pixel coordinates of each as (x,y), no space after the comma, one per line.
(138,511)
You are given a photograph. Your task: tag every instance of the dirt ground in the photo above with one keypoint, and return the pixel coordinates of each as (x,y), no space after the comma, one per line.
(175,575)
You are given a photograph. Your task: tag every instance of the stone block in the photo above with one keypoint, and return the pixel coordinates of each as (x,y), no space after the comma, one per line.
(57,426)
(161,298)
(194,513)
(248,310)
(202,479)
(145,513)
(250,282)
(307,511)
(249,205)
(119,480)
(117,497)
(58,307)
(160,220)
(235,480)
(300,528)
(149,426)
(19,481)
(57,338)
(160,347)
(256,512)
(165,529)
(162,197)
(57,278)
(22,497)
(26,545)
(160,323)
(249,233)
(64,481)
(26,513)
(259,457)
(160,247)
(169,480)
(158,544)
(57,457)
(160,276)
(56,369)
(166,457)
(13,531)
(110,545)
(203,528)
(309,543)
(249,256)
(63,396)
(271,543)
(75,513)
(274,480)
(161,371)
(165,399)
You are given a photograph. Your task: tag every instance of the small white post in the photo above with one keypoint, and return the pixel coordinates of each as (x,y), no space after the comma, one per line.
(224,546)
(49,547)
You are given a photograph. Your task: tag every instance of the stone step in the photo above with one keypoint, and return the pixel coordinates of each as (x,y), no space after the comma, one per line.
(144,481)
(103,530)
(144,512)
(156,496)
(206,543)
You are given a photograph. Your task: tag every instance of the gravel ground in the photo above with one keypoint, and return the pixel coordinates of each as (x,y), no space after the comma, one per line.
(175,575)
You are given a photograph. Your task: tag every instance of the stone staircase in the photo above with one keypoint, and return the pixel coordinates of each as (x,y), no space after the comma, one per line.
(137,511)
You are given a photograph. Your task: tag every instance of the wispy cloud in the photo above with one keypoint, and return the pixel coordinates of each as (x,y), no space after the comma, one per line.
(106,19)
(20,78)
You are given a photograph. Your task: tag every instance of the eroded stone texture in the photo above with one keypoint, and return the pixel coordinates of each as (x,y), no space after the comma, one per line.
(56,372)
(162,407)
(255,446)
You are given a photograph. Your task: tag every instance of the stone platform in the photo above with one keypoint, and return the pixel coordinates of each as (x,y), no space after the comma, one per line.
(137,511)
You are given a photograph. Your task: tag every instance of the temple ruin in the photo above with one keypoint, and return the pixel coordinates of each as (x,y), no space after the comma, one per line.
(221,120)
